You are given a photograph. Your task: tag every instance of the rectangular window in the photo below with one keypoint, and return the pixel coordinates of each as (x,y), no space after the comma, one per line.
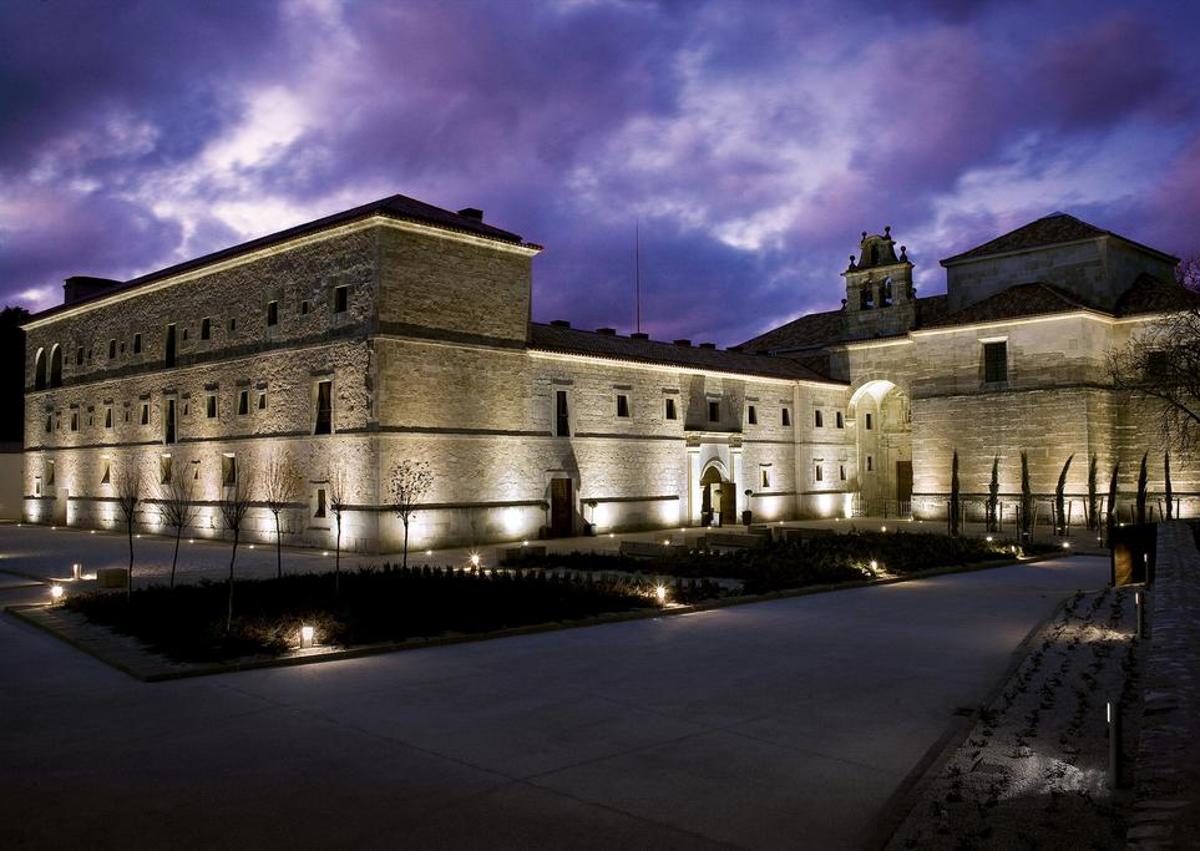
(169,347)
(839,420)
(164,469)
(206,329)
(232,324)
(108,417)
(670,413)
(341,299)
(995,362)
(228,470)
(842,472)
(262,400)
(48,423)
(714,412)
(243,402)
(787,417)
(766,478)
(869,422)
(562,426)
(145,413)
(818,472)
(112,349)
(169,422)
(819,419)
(319,507)
(752,415)
(211,406)
(870,464)
(50,472)
(324,420)
(272,313)
(106,478)
(137,344)
(622,405)
(304,307)
(74,421)
(79,356)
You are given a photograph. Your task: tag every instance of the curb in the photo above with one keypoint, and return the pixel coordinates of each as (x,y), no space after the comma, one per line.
(156,674)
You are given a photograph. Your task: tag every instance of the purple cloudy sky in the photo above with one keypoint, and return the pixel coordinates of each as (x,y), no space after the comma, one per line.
(752,141)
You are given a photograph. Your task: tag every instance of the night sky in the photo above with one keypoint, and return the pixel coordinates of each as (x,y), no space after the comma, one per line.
(753,142)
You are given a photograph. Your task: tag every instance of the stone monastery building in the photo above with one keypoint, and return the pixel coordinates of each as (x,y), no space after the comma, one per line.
(398,330)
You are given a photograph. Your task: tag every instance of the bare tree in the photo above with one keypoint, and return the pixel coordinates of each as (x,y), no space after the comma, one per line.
(1161,363)
(410,481)
(234,507)
(127,484)
(177,504)
(282,485)
(337,506)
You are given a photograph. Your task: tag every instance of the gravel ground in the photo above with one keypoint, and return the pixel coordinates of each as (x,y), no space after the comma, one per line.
(1032,773)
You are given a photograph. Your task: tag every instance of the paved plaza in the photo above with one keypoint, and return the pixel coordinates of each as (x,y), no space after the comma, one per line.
(775,725)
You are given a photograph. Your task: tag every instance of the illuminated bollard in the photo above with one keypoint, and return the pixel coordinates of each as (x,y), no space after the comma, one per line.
(1139,600)
(1113,709)
(77,571)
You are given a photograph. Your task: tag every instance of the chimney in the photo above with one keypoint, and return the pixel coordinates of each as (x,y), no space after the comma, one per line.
(560,323)
(683,342)
(608,332)
(80,287)
(708,345)
(639,335)
(471,213)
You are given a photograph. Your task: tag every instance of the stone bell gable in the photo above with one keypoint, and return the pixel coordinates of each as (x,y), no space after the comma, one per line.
(880,298)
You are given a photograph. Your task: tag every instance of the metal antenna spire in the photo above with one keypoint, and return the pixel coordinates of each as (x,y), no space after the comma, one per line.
(637,271)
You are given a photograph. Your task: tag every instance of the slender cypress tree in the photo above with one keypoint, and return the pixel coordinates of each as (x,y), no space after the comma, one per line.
(1167,483)
(1060,502)
(993,496)
(1141,489)
(1111,519)
(1093,500)
(1026,498)
(955,514)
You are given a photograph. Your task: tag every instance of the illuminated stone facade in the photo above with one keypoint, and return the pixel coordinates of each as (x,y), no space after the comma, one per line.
(398,331)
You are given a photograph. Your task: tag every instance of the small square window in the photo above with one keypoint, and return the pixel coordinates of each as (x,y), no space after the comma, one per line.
(305,306)
(787,417)
(341,299)
(670,413)
(137,344)
(272,313)
(243,402)
(622,405)
(211,406)
(839,420)
(206,329)
(752,415)
(714,412)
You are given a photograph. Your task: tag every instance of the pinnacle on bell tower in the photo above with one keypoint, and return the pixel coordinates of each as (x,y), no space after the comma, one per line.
(880,299)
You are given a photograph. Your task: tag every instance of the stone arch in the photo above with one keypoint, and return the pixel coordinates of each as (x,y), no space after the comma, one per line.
(56,366)
(39,370)
(879,408)
(718,495)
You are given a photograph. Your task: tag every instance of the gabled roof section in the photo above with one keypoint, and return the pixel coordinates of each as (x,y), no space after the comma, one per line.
(399,207)
(1151,295)
(1034,299)
(557,338)
(1054,229)
(818,330)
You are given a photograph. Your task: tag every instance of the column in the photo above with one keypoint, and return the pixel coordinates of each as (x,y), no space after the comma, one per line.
(739,481)
(693,495)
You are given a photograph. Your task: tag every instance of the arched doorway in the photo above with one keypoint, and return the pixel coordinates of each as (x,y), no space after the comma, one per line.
(883,434)
(718,496)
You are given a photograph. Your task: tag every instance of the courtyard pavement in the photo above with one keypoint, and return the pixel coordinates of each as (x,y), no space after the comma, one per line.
(786,724)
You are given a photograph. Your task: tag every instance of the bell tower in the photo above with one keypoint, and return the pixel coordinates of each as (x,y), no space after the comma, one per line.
(880,298)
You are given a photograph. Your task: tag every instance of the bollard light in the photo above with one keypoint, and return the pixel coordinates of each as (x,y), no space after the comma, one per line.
(883,528)
(666,542)
(429,552)
(475,559)
(93,532)
(660,593)
(1139,602)
(307,635)
(524,543)
(191,540)
(874,565)
(77,571)
(1066,545)
(611,535)
(989,539)
(57,592)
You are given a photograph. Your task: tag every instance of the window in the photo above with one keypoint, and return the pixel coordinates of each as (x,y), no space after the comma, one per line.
(79,356)
(112,349)
(272,313)
(787,417)
(870,464)
(108,417)
(243,403)
(169,346)
(751,415)
(869,423)
(50,473)
(766,478)
(106,477)
(137,344)
(341,299)
(164,469)
(262,400)
(145,413)
(818,472)
(714,411)
(48,423)
(169,422)
(622,405)
(211,406)
(995,362)
(206,329)
(126,412)
(819,419)
(305,306)
(185,335)
(186,405)
(74,421)
(320,508)
(324,421)
(232,324)
(91,417)
(670,413)
(842,472)
(228,470)
(839,420)
(562,427)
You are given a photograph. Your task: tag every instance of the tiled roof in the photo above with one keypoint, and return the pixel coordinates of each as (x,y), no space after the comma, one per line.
(1054,229)
(1150,295)
(1022,300)
(557,338)
(817,330)
(394,206)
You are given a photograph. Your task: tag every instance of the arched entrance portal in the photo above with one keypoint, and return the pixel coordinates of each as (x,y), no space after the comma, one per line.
(883,425)
(718,497)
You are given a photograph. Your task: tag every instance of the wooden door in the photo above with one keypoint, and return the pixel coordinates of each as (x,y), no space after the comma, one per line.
(561,510)
(728,504)
(904,481)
